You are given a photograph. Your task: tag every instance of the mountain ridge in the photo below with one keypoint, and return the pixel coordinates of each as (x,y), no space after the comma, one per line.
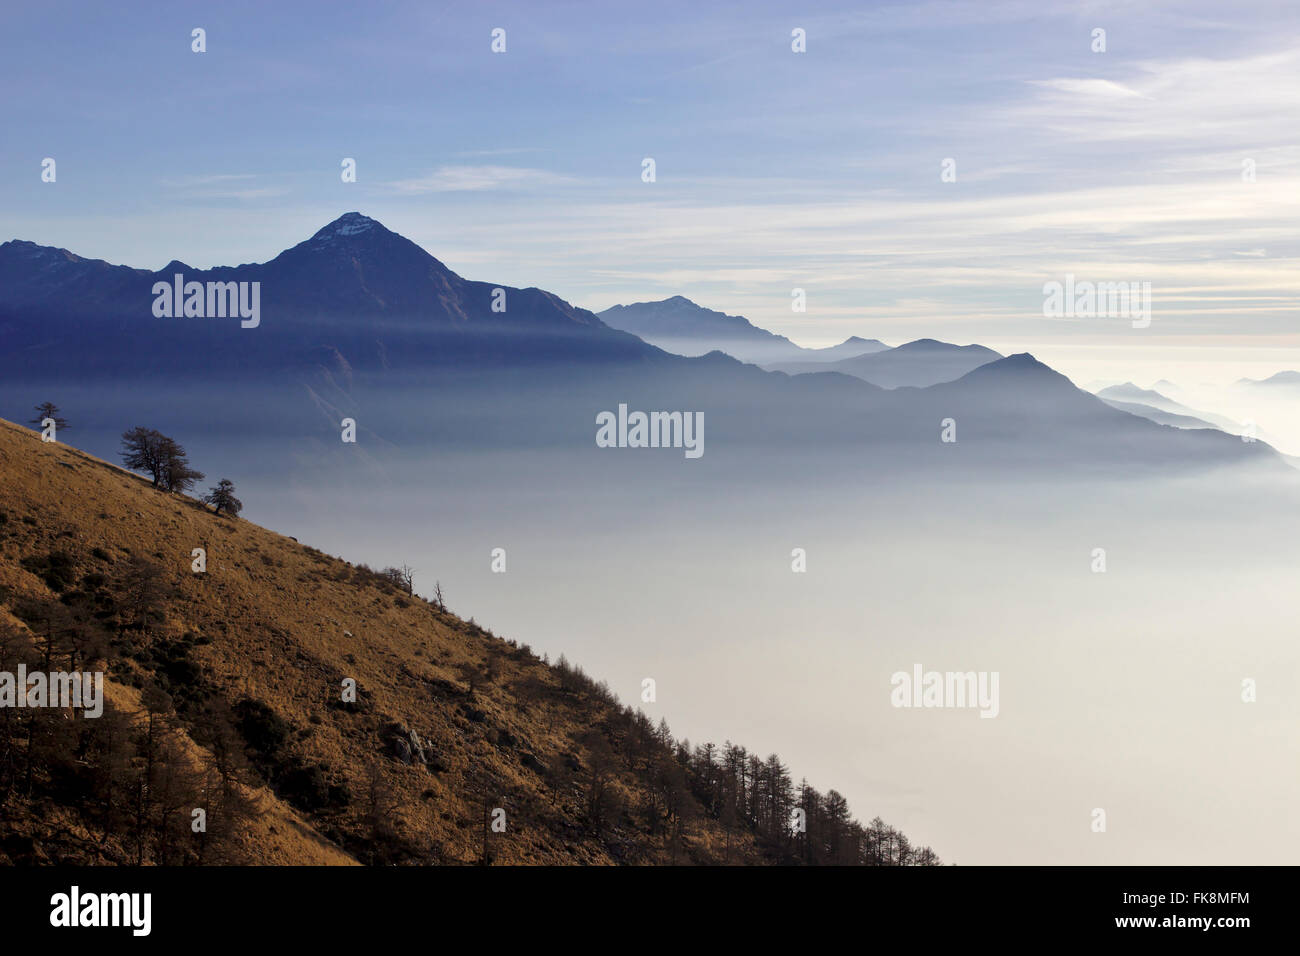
(680,325)
(918,363)
(358,322)
(1127,392)
(354,286)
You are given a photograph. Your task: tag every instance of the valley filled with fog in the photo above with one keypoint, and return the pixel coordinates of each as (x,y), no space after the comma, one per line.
(1129,582)
(1119,689)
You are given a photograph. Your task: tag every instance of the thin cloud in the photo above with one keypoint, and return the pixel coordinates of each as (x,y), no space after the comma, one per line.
(456,179)
(1090,87)
(185,182)
(510,151)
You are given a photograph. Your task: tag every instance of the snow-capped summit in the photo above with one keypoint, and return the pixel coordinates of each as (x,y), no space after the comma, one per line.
(348,224)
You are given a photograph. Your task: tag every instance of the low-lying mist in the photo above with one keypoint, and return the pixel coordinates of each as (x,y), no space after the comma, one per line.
(1118,689)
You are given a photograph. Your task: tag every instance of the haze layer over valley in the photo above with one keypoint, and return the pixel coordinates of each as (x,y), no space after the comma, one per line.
(1122,577)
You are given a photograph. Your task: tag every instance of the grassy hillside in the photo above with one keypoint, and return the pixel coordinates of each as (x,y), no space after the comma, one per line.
(226,692)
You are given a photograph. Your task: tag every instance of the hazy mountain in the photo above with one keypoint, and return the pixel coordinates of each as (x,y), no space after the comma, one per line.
(1158,415)
(1128,393)
(1286,379)
(828,358)
(1021,407)
(680,326)
(359,322)
(851,347)
(1097,384)
(920,363)
(477,430)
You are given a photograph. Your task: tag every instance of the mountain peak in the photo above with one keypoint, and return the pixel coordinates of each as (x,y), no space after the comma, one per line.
(1019,365)
(1282,378)
(1128,391)
(1014,374)
(657,305)
(37,253)
(927,345)
(934,345)
(347,225)
(1022,360)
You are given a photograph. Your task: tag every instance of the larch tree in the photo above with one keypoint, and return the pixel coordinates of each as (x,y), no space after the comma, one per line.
(48,411)
(222,498)
(163,458)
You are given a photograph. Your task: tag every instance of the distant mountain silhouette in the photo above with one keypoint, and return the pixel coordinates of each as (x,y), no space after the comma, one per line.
(679,325)
(1128,392)
(1131,394)
(354,290)
(1018,404)
(358,321)
(1158,415)
(919,363)
(851,347)
(1286,379)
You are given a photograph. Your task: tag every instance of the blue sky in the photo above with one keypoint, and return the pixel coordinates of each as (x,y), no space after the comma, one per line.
(775,170)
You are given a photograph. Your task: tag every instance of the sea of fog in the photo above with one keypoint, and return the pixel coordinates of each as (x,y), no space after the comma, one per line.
(1119,690)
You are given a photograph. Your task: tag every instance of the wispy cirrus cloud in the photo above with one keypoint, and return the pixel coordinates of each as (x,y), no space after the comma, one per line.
(206,180)
(480,178)
(1167,158)
(1090,86)
(507,151)
(222,186)
(1196,102)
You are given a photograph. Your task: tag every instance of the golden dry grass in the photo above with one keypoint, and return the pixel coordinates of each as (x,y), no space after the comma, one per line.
(286,626)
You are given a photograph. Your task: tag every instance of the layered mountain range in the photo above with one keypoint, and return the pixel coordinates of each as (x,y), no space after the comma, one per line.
(359,321)
(920,363)
(678,325)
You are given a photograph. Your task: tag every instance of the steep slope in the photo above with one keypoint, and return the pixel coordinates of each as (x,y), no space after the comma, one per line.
(1159,416)
(233,682)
